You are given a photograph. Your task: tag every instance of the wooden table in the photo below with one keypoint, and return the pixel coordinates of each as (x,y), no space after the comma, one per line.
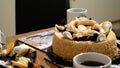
(40,54)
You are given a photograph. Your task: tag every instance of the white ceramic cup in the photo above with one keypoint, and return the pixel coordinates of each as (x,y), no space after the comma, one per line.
(75,12)
(91,56)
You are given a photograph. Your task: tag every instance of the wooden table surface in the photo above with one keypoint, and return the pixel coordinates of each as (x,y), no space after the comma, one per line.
(40,54)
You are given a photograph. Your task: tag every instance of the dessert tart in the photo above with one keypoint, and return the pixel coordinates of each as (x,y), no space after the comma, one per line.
(84,35)
(21,56)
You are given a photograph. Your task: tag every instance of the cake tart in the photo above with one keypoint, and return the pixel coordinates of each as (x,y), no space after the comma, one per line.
(84,35)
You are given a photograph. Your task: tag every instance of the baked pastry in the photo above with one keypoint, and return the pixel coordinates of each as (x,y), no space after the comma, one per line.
(20,56)
(84,35)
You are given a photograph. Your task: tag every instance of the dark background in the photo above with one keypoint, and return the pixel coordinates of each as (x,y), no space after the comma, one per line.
(38,14)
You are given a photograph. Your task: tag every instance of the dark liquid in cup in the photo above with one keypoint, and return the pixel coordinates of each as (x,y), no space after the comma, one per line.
(92,63)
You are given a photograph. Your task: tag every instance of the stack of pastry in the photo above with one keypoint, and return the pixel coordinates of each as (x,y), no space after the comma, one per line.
(21,56)
(84,35)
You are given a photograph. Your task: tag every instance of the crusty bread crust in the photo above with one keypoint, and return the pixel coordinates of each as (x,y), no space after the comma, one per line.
(67,48)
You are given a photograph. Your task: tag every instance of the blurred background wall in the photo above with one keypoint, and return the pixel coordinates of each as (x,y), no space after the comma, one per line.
(7,17)
(100,10)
